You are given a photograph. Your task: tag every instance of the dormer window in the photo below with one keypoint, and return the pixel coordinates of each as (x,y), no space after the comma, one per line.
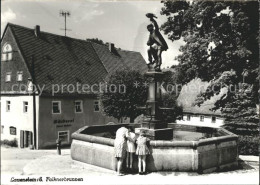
(7,52)
(8,77)
(29,85)
(19,76)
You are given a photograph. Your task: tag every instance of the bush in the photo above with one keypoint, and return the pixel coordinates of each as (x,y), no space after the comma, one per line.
(11,143)
(248,137)
(248,145)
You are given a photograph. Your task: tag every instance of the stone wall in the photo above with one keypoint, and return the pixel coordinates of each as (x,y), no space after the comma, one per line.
(207,155)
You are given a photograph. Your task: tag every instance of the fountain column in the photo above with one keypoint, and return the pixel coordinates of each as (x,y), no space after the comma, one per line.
(153,124)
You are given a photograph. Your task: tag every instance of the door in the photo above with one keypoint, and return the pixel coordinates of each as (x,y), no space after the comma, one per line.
(21,138)
(26,139)
(30,138)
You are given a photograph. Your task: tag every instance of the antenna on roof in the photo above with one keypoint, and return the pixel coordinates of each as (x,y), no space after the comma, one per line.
(64,14)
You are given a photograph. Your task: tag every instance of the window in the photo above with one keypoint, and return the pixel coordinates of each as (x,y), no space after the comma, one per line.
(78,106)
(12,130)
(8,76)
(188,117)
(8,106)
(19,76)
(96,106)
(63,136)
(9,56)
(7,52)
(202,118)
(213,119)
(2,129)
(30,85)
(56,107)
(25,106)
(4,57)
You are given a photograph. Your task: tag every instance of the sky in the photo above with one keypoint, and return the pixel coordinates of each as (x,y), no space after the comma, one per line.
(120,22)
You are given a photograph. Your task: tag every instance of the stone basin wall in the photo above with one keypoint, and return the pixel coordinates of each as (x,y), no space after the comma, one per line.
(203,156)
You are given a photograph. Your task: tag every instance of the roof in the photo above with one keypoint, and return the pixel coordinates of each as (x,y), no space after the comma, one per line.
(188,96)
(201,111)
(64,60)
(120,59)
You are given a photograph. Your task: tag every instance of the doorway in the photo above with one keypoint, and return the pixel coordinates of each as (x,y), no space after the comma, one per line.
(26,138)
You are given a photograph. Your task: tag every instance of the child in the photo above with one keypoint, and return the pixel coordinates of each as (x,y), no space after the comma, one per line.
(120,147)
(142,150)
(130,149)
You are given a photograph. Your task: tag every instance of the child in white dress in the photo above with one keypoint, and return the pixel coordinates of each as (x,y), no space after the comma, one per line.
(130,148)
(142,150)
(120,147)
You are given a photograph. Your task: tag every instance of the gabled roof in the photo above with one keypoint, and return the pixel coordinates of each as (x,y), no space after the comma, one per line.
(64,60)
(188,96)
(120,59)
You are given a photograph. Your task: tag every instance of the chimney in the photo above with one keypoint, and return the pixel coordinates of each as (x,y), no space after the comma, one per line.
(111,47)
(37,30)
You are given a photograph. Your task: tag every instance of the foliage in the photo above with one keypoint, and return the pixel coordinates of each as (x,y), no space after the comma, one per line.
(169,97)
(11,143)
(240,112)
(248,145)
(170,101)
(96,40)
(201,23)
(125,105)
(221,46)
(121,105)
(172,82)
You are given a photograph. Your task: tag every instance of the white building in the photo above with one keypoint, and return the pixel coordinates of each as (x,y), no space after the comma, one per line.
(201,118)
(53,61)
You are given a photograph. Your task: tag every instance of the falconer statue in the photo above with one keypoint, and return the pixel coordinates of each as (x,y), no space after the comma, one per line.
(156,43)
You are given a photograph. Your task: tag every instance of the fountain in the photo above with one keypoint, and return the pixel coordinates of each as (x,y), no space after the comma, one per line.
(173,147)
(153,125)
(216,150)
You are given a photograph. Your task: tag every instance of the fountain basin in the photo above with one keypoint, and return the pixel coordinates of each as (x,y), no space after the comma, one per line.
(92,145)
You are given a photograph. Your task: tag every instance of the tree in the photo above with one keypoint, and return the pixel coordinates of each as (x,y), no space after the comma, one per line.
(201,23)
(96,40)
(169,97)
(169,100)
(124,104)
(221,43)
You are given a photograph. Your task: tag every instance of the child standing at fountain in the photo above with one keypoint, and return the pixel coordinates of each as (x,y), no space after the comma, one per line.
(142,150)
(120,147)
(130,148)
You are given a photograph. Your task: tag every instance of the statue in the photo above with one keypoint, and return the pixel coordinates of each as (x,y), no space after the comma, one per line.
(156,43)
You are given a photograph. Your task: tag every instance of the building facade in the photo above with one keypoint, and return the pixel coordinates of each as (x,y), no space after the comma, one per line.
(201,118)
(40,76)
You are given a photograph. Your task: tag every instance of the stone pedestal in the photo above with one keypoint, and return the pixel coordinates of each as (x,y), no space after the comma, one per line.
(153,125)
(157,134)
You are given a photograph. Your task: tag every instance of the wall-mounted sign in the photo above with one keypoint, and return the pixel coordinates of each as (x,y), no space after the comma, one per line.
(58,121)
(63,125)
(63,122)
